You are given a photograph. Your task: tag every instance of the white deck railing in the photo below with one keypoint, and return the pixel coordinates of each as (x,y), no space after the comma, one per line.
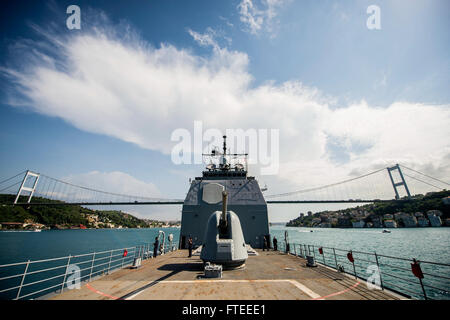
(34,279)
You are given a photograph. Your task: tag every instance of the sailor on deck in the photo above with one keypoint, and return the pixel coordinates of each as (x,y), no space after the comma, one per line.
(155,247)
(190,246)
(266,244)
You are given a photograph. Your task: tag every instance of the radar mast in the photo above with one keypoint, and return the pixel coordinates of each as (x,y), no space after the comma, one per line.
(225,164)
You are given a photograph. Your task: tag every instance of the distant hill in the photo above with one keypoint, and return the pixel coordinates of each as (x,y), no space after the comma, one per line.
(65,216)
(419,203)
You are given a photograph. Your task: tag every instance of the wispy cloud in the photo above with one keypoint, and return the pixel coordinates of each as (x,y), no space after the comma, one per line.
(261,17)
(227,22)
(209,38)
(205,39)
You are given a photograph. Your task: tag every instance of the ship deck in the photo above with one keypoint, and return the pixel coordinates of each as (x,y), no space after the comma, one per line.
(267,276)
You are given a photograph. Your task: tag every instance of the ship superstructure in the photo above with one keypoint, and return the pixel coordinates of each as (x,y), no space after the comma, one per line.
(245,199)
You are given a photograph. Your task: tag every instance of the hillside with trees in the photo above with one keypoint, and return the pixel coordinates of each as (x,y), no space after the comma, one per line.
(63,216)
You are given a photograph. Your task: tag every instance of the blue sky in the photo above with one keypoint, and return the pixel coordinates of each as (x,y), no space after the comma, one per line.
(313,63)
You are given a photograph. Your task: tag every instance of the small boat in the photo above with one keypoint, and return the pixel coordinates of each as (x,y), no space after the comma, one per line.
(311,231)
(386,231)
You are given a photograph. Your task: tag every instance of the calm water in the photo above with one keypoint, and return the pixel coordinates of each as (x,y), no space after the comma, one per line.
(20,246)
(430,244)
(426,244)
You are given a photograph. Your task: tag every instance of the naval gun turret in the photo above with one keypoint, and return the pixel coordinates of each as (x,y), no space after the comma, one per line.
(224,241)
(244,199)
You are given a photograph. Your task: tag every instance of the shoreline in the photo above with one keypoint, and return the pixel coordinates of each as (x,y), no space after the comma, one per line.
(417,227)
(56,229)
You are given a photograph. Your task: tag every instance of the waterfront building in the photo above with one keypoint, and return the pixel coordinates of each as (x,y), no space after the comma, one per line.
(390,224)
(12,225)
(435,221)
(376,220)
(447,222)
(423,222)
(325,225)
(358,224)
(434,213)
(409,221)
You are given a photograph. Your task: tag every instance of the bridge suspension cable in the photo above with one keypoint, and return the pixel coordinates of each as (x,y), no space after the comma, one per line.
(55,191)
(105,192)
(432,185)
(9,187)
(6,180)
(448,184)
(323,187)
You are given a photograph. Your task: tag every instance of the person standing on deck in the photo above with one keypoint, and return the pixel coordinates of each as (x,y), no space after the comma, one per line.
(190,246)
(275,244)
(155,247)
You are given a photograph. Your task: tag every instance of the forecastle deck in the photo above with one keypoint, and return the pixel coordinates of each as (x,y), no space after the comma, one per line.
(266,276)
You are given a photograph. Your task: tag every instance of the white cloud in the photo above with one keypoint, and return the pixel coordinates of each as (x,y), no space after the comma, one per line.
(205,39)
(121,183)
(122,87)
(209,38)
(114,182)
(259,17)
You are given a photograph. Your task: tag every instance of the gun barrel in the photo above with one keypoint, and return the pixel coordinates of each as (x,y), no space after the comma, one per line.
(224,208)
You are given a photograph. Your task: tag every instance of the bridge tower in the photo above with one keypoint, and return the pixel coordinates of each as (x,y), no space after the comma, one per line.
(398,184)
(30,190)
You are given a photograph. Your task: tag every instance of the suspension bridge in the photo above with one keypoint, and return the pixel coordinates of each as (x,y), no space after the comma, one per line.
(397,182)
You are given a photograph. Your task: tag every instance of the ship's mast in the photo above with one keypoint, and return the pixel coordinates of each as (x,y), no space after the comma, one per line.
(224,164)
(224,159)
